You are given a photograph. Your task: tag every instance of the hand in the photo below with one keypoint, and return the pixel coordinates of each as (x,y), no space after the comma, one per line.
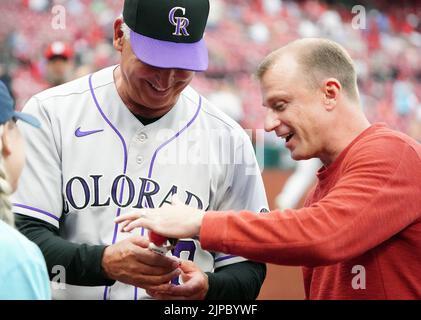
(172,221)
(130,261)
(195,285)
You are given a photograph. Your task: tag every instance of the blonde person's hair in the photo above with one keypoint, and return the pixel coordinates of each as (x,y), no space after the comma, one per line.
(5,190)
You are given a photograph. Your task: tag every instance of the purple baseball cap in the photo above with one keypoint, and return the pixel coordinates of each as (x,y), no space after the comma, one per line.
(168,34)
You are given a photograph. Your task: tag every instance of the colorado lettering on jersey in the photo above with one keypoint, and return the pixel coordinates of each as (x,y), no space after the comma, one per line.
(138,194)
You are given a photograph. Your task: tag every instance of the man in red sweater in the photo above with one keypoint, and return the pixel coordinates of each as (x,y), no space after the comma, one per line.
(359,234)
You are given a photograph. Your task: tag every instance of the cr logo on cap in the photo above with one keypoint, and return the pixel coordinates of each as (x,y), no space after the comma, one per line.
(180,23)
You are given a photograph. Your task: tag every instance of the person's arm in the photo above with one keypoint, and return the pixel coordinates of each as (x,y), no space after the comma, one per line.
(377,196)
(82,262)
(238,281)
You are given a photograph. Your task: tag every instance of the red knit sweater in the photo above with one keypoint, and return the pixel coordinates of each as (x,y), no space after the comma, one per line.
(359,235)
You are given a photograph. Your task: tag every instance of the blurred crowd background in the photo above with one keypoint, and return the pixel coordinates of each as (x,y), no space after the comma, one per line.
(240,33)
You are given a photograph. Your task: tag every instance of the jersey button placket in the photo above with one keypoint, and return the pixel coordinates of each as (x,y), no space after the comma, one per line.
(142,137)
(139,159)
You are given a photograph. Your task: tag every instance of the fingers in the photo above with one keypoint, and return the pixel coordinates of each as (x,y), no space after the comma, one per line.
(139,241)
(189,287)
(129,216)
(167,295)
(147,270)
(162,288)
(148,281)
(123,225)
(134,220)
(186,289)
(195,282)
(192,286)
(164,296)
(188,266)
(141,222)
(153,259)
(130,261)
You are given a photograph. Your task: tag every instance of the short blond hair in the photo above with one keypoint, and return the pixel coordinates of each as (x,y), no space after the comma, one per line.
(318,59)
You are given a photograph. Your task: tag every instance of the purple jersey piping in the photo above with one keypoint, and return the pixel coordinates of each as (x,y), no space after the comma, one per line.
(125,159)
(173,138)
(36,210)
(199,107)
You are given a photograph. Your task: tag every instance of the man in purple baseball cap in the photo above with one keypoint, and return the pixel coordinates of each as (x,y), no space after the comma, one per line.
(162,46)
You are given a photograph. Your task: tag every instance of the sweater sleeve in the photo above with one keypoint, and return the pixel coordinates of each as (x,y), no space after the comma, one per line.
(377,196)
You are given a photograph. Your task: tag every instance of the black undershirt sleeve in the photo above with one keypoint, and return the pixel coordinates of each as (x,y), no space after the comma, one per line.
(82,262)
(237,281)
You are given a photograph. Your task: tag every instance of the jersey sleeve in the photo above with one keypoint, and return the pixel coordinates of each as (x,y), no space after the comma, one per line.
(39,192)
(242,188)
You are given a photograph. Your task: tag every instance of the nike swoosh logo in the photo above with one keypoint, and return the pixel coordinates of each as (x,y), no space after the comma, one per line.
(79,133)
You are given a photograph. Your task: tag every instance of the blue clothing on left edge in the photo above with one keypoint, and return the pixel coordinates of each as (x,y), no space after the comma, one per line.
(23,272)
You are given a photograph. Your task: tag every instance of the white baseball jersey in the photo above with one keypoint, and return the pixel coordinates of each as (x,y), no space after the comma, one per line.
(93,160)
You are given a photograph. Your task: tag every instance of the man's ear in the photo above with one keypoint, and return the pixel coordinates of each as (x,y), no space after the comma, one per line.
(331,91)
(118,35)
